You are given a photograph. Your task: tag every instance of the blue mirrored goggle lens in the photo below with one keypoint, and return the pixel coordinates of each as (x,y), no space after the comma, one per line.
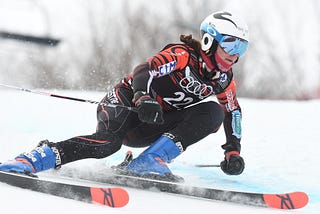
(233,45)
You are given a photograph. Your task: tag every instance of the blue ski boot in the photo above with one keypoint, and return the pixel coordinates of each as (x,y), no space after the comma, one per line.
(39,159)
(152,162)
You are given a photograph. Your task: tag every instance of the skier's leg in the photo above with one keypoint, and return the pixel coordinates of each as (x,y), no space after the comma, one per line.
(181,129)
(112,124)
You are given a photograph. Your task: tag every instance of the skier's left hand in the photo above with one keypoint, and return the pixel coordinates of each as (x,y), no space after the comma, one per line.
(233,163)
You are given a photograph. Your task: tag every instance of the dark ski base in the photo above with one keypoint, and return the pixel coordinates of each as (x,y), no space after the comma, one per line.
(294,200)
(112,197)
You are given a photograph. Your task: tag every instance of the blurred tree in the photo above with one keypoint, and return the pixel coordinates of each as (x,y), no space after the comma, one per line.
(110,38)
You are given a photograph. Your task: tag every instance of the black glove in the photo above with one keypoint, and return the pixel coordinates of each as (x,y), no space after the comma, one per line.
(233,163)
(149,110)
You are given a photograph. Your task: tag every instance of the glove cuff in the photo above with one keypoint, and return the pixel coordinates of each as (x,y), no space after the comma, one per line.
(231,146)
(228,154)
(138,96)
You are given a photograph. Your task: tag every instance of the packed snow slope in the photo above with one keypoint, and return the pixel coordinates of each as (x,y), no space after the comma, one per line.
(280,147)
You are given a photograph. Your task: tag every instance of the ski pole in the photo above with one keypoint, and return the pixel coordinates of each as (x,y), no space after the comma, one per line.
(207,165)
(68,98)
(45,41)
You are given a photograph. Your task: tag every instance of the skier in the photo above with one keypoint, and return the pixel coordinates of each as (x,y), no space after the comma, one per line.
(167,91)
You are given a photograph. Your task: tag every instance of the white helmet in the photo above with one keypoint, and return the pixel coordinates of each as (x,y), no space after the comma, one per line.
(230,31)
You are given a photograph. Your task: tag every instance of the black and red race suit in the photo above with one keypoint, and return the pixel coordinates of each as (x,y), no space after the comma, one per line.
(175,78)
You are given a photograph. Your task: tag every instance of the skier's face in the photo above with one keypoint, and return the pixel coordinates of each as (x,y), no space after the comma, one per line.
(224,60)
(227,58)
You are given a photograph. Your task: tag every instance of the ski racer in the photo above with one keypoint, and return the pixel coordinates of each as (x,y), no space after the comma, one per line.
(168,92)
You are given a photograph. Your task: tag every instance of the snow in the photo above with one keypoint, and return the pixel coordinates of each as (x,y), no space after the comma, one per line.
(280,147)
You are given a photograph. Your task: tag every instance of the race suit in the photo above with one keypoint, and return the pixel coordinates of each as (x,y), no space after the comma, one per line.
(175,77)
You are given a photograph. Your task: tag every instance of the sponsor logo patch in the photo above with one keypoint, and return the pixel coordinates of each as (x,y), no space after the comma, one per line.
(167,68)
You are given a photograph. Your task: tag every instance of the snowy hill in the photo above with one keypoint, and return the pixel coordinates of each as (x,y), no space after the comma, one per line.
(280,147)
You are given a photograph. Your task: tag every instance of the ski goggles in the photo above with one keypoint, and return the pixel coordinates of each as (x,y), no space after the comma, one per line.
(230,44)
(233,45)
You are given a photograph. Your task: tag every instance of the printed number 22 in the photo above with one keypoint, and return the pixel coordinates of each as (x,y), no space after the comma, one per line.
(181,100)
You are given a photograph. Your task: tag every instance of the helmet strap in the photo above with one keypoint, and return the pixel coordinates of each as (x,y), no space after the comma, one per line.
(207,59)
(210,71)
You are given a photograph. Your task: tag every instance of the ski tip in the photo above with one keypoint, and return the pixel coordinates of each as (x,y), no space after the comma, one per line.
(112,197)
(294,200)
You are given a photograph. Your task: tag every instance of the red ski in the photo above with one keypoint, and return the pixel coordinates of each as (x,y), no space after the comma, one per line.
(112,197)
(107,196)
(294,200)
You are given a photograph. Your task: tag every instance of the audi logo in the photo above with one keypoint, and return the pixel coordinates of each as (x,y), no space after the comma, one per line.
(195,87)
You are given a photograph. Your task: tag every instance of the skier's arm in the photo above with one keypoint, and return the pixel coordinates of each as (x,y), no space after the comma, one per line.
(233,163)
(165,62)
(232,122)
(168,60)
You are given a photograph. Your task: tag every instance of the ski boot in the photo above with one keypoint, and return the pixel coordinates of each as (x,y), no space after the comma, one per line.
(39,159)
(152,162)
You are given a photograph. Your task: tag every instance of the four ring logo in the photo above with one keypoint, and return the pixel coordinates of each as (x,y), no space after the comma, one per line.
(193,86)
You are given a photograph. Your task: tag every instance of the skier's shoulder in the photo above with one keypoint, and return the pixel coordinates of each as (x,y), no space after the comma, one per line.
(178,48)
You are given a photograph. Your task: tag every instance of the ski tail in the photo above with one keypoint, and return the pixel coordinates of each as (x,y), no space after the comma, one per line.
(112,197)
(294,200)
(107,196)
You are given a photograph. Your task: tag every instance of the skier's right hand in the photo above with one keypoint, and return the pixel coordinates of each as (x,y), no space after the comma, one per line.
(149,110)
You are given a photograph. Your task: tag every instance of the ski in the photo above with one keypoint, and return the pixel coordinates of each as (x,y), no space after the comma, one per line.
(107,196)
(293,200)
